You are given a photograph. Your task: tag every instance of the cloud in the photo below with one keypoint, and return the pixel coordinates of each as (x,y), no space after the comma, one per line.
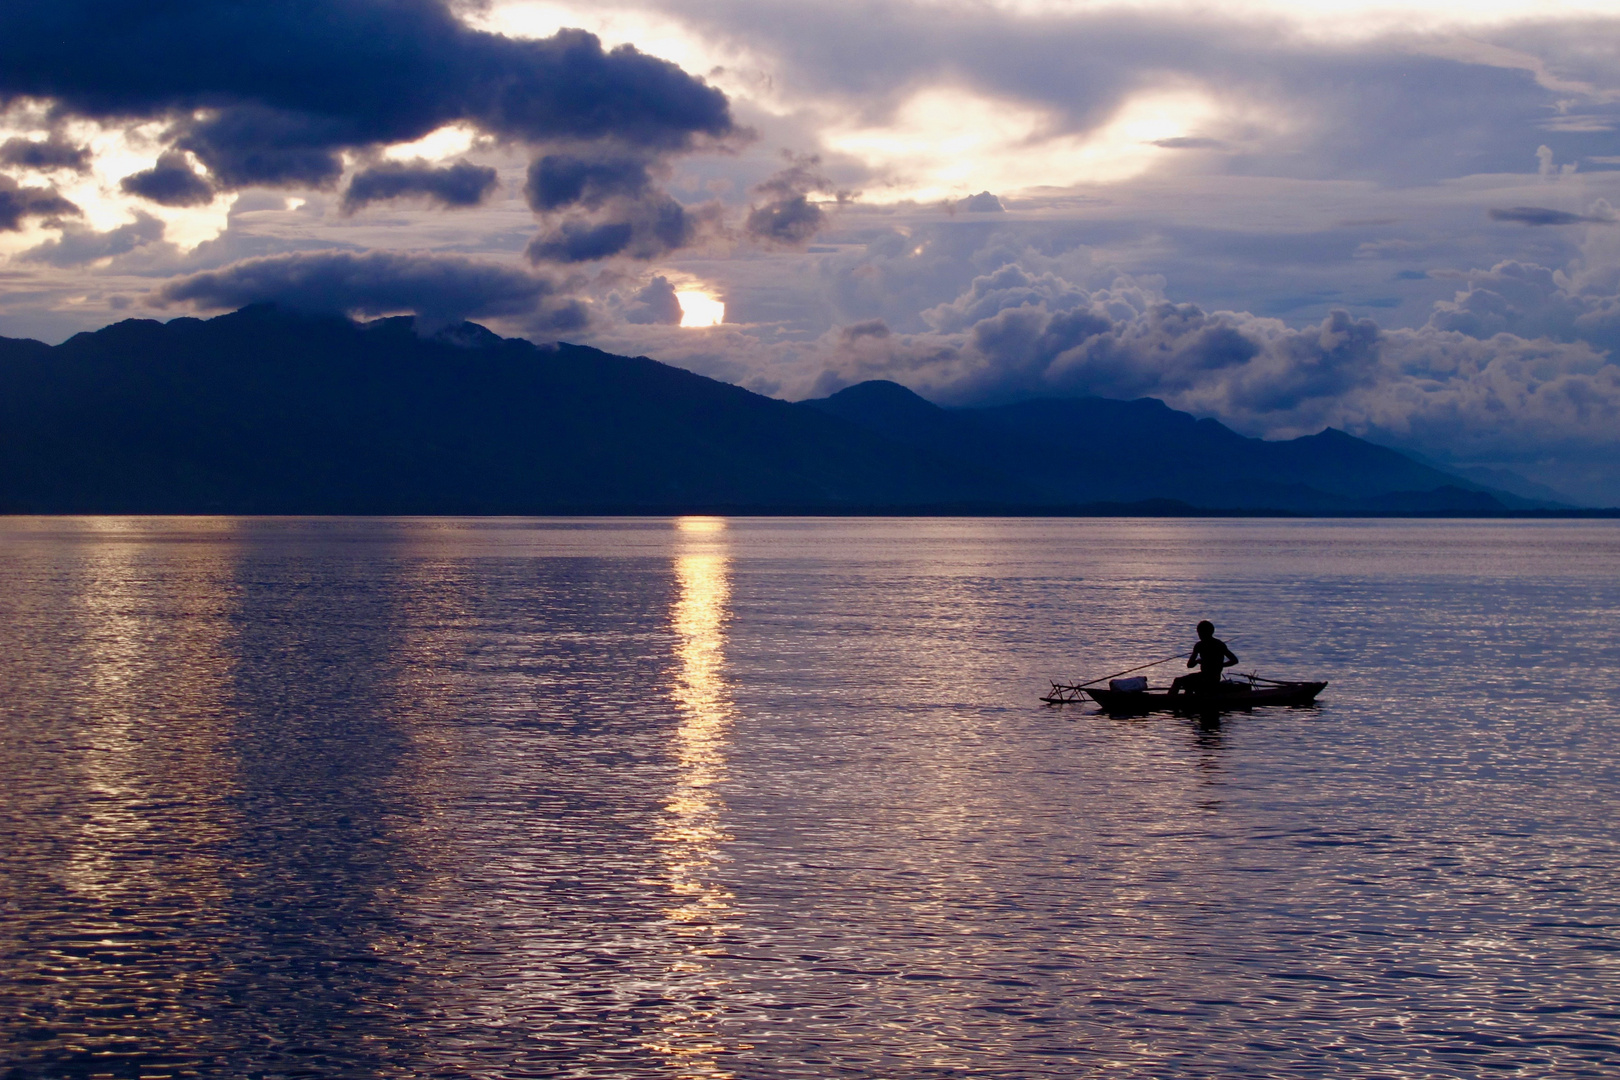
(1541,215)
(1279,102)
(79,245)
(1271,160)
(655,305)
(1530,301)
(789,217)
(267,93)
(601,203)
(982,203)
(1505,398)
(556,181)
(440,288)
(871,328)
(170,182)
(1015,334)
(581,241)
(646,229)
(1022,335)
(791,220)
(54,152)
(17,202)
(461,184)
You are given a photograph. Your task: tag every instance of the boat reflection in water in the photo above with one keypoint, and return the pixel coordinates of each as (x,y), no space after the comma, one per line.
(693,833)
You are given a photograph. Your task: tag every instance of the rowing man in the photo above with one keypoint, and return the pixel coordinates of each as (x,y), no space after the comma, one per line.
(1212,656)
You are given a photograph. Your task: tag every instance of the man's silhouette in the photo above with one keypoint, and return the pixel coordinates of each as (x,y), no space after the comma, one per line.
(1210,655)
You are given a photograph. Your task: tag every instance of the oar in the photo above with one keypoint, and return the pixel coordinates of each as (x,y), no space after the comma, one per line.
(1127,671)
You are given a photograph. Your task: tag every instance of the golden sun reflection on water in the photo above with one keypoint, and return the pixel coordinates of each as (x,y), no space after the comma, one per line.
(120,780)
(693,831)
(149,691)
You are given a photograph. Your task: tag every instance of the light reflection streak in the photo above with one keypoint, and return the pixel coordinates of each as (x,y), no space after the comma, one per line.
(125,949)
(145,736)
(693,832)
(113,642)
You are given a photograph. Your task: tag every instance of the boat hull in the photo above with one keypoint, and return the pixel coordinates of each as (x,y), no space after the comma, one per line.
(1127,702)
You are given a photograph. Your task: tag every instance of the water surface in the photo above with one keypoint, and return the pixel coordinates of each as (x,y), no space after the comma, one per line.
(776,798)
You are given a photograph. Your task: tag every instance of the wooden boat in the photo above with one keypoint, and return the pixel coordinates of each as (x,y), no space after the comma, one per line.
(1231,695)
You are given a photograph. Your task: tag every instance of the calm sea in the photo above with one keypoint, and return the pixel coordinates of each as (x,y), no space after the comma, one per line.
(715,798)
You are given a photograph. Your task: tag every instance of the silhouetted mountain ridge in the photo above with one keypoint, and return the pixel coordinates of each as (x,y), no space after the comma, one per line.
(268,411)
(1087,450)
(264,411)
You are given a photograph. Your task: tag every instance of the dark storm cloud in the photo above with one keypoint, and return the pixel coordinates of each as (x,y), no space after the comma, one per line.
(581,241)
(52,153)
(271,92)
(602,203)
(1541,215)
(792,220)
(641,230)
(461,184)
(441,288)
(789,217)
(557,181)
(655,305)
(251,143)
(17,203)
(170,182)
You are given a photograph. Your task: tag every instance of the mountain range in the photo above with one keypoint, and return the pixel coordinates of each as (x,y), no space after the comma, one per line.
(1078,451)
(270,411)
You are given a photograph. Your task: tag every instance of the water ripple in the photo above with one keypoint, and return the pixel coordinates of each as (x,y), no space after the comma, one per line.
(773,798)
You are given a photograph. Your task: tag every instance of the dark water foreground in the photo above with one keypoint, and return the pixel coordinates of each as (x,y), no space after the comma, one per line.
(776,799)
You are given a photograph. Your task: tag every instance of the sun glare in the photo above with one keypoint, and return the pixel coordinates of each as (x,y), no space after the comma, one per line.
(115,154)
(437,145)
(700,309)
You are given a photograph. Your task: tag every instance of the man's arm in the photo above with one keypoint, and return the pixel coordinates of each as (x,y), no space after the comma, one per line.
(1230,660)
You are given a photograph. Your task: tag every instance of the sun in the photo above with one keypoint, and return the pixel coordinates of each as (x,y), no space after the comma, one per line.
(700,309)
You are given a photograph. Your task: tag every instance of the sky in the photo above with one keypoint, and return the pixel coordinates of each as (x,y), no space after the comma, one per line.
(1400,221)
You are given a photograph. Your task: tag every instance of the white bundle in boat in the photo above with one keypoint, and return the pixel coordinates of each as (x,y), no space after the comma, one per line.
(1134,683)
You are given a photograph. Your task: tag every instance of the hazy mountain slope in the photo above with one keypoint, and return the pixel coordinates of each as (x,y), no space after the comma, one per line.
(1085,450)
(1515,484)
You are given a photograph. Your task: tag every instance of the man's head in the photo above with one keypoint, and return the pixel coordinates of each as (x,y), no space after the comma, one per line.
(1206,629)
